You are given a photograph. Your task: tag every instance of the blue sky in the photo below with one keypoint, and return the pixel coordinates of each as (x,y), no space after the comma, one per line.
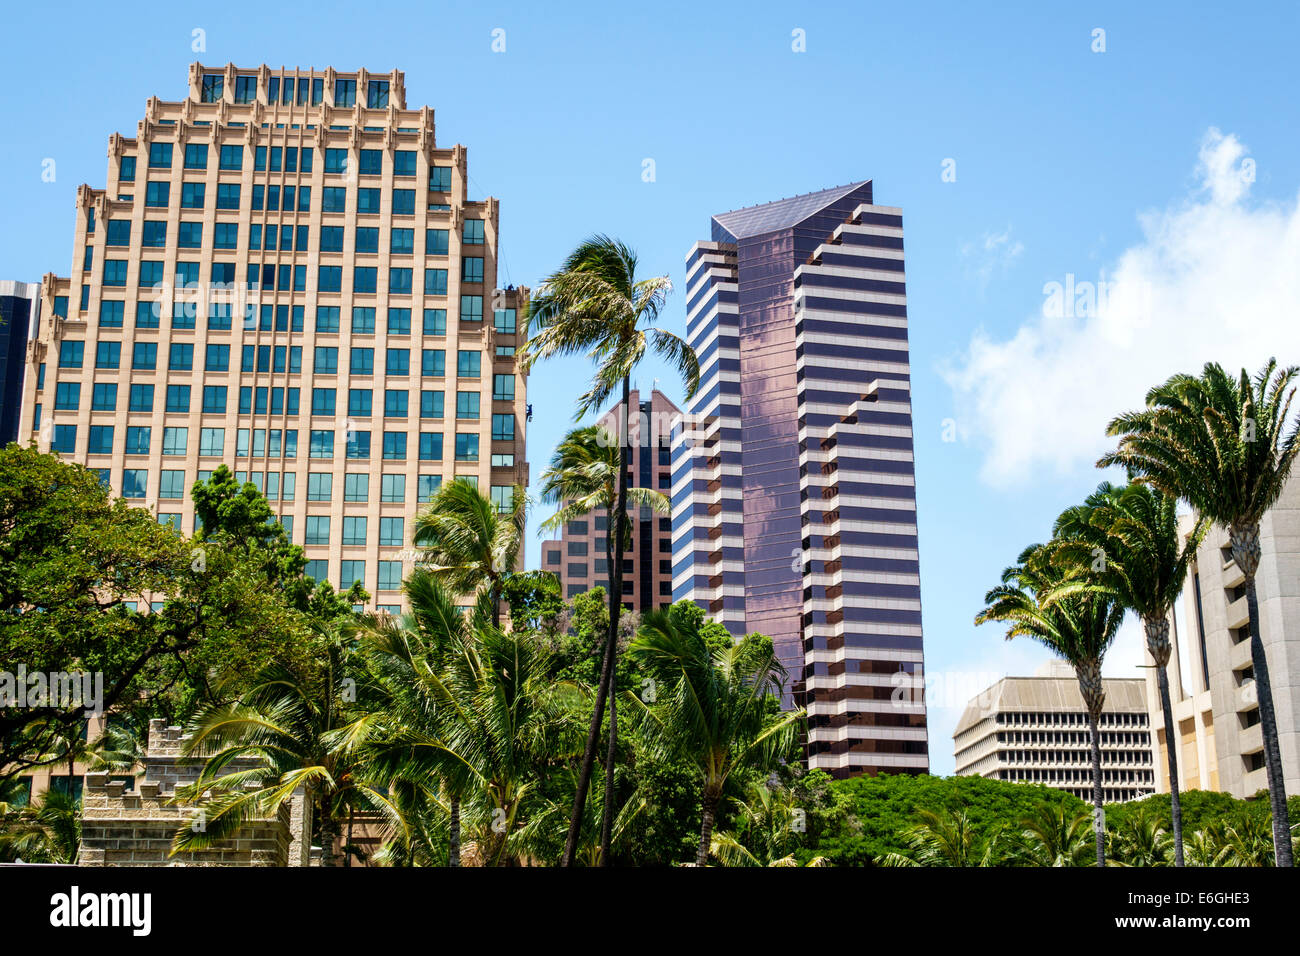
(1099,165)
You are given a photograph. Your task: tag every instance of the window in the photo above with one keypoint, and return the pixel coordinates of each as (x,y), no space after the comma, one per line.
(359,445)
(363,320)
(395,446)
(64,441)
(107,355)
(317,530)
(196,155)
(431,404)
(351,572)
(503,320)
(398,362)
(320,486)
(232,157)
(178,398)
(316,570)
(103,397)
(354,531)
(392,489)
(322,444)
(503,427)
(126,169)
(466,446)
(399,281)
(111,313)
(212,442)
(362,361)
(503,460)
(430,448)
(214,399)
(137,439)
(472,233)
(331,239)
(334,199)
(399,321)
(503,388)
(365,279)
(472,271)
(403,202)
(390,576)
(359,402)
(114,272)
(370,162)
(160,155)
(368,200)
(326,361)
(395,403)
(436,242)
(391,533)
(429,485)
(210,91)
(404,162)
(336,160)
(134,482)
(119,232)
(433,363)
(71,353)
(217,358)
(356,487)
(503,497)
(157,194)
(67,396)
(435,282)
(181,357)
(440,179)
(377,94)
(322,401)
(468,364)
(329,279)
(467,404)
(471,308)
(227,195)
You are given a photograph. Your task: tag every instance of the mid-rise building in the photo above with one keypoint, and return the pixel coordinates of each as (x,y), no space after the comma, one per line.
(794,505)
(20,308)
(285,273)
(580,556)
(1211,675)
(1035,730)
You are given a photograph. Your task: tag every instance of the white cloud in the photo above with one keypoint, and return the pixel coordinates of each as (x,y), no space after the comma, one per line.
(1215,277)
(993,253)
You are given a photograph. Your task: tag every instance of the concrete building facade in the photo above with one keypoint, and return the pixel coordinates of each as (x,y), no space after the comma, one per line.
(794,506)
(1211,675)
(1035,730)
(285,274)
(579,556)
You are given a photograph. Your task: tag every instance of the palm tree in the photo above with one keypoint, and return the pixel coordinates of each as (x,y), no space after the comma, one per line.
(468,543)
(716,710)
(583,477)
(1126,540)
(766,832)
(1141,841)
(595,305)
(946,839)
(1055,836)
(47,830)
(1078,627)
(1226,446)
(1209,847)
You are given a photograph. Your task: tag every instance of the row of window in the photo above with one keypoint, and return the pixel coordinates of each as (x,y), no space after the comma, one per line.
(288,90)
(285,159)
(288,277)
(286,238)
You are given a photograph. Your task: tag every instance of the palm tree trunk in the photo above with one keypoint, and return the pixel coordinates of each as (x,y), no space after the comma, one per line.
(607,810)
(1099,814)
(1171,749)
(708,806)
(1268,728)
(328,831)
(453,835)
(347,849)
(611,641)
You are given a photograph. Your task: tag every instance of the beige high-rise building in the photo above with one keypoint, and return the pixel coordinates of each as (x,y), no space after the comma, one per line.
(1035,730)
(1211,675)
(285,274)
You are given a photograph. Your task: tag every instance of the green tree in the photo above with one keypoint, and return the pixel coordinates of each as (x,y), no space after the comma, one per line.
(47,830)
(945,838)
(716,709)
(470,545)
(1125,540)
(1079,627)
(596,305)
(1226,446)
(1055,835)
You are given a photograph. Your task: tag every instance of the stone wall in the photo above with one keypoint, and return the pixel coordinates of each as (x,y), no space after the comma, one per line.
(121,828)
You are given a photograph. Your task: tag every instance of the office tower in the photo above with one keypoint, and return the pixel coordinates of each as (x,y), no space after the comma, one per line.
(1211,676)
(1035,730)
(20,305)
(794,508)
(285,274)
(579,557)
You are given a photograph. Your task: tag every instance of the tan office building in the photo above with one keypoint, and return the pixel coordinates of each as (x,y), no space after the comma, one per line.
(579,556)
(1035,730)
(285,274)
(1211,676)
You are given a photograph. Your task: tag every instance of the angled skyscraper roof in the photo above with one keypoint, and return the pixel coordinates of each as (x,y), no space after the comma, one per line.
(768,217)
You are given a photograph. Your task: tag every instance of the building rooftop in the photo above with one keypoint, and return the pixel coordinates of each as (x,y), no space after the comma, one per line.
(1049,694)
(768,217)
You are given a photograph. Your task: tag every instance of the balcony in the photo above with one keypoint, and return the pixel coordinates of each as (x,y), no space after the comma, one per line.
(1232,575)
(1237,613)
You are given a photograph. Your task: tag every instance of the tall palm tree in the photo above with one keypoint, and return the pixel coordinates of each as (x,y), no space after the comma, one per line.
(1142,841)
(596,305)
(1055,836)
(714,709)
(468,543)
(1126,539)
(946,839)
(1078,627)
(1226,446)
(765,833)
(582,478)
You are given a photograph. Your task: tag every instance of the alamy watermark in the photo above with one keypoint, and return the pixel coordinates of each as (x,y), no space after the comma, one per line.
(66,690)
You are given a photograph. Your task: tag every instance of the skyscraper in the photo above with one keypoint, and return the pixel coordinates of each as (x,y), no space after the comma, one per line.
(285,274)
(794,507)
(20,304)
(579,556)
